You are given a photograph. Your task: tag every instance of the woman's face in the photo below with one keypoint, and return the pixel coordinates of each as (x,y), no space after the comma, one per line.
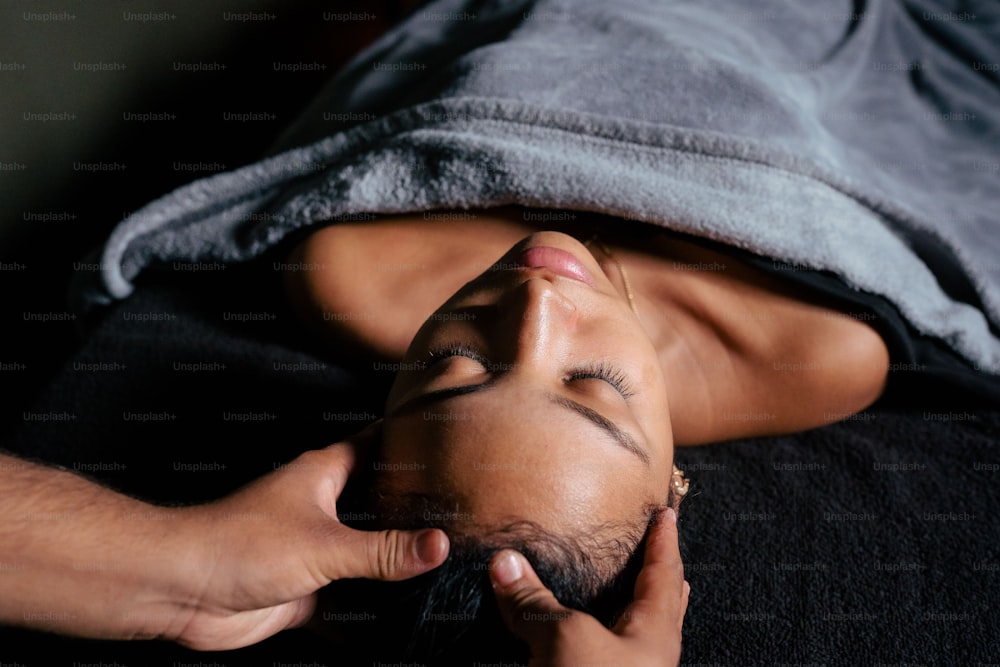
(532,394)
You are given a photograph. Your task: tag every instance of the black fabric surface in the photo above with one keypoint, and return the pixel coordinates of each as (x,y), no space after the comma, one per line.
(871,541)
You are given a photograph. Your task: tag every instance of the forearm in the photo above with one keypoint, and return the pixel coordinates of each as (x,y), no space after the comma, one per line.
(80,559)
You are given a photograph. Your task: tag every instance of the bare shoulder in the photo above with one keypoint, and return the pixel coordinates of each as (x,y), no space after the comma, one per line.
(327,284)
(815,371)
(853,365)
(772,357)
(372,284)
(821,370)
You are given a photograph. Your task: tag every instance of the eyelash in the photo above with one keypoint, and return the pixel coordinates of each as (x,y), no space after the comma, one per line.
(601,370)
(455,350)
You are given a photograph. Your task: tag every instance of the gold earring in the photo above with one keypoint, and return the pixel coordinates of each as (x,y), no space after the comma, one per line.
(679,483)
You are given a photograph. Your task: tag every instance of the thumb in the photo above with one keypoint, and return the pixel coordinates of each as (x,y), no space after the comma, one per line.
(388,555)
(528,608)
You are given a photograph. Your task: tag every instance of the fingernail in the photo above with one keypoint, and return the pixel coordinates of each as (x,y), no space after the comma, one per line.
(428,547)
(669,515)
(507,568)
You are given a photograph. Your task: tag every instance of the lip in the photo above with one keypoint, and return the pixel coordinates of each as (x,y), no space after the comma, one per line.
(558,261)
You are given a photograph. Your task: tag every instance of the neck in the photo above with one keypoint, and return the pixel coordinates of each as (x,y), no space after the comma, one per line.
(719,326)
(687,315)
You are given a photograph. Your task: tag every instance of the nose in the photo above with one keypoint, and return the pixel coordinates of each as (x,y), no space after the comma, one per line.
(536,323)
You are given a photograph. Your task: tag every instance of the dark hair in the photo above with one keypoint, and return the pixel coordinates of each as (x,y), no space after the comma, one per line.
(448,616)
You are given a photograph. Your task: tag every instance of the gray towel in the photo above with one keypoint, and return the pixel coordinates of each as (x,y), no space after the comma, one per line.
(834,136)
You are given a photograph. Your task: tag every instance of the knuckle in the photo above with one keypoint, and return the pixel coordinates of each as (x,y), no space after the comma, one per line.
(676,569)
(310,456)
(385,553)
(529,599)
(310,460)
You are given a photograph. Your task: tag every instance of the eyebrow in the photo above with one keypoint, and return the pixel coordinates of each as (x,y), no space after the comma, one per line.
(620,436)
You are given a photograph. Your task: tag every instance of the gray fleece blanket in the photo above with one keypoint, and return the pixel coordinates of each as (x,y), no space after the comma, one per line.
(860,139)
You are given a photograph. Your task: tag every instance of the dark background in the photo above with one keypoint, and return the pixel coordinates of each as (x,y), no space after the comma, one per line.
(55,207)
(839,558)
(64,184)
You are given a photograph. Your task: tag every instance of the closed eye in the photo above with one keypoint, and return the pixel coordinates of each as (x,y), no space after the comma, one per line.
(605,371)
(602,370)
(439,354)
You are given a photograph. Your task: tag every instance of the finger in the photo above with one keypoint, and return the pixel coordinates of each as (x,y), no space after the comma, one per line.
(528,608)
(349,450)
(662,546)
(343,457)
(684,604)
(387,555)
(365,439)
(659,588)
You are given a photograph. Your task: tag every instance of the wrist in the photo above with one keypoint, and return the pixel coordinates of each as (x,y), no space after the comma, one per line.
(134,578)
(168,567)
(92,562)
(128,576)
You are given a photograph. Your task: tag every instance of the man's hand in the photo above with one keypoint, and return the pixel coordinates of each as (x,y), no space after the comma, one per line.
(87,561)
(649,633)
(276,542)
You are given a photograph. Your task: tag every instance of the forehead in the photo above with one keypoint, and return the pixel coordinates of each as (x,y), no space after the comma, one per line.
(521,461)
